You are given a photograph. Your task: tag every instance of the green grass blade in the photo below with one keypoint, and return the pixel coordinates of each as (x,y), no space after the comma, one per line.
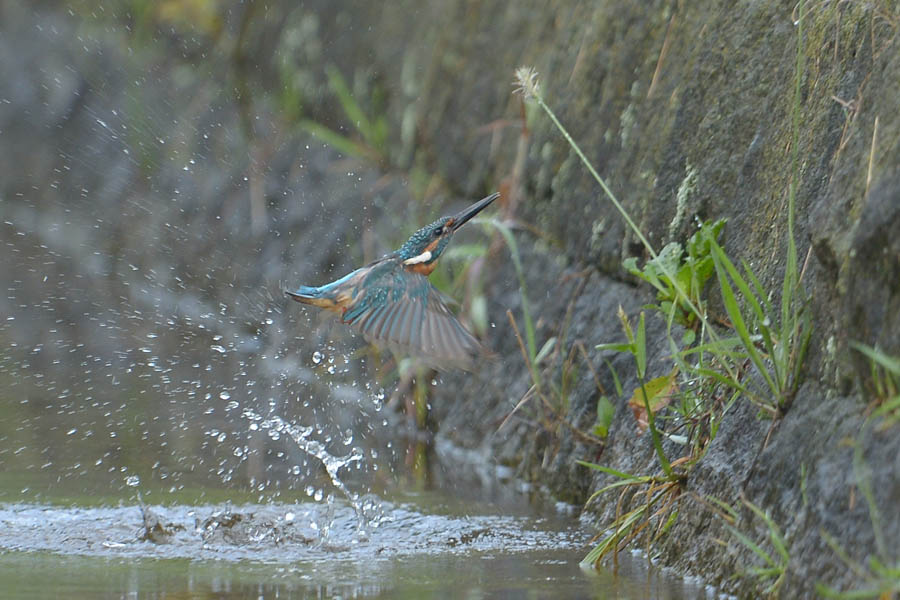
(723,379)
(724,506)
(720,346)
(757,286)
(618,484)
(609,471)
(790,309)
(615,377)
(802,347)
(654,434)
(510,240)
(750,544)
(621,528)
(623,347)
(737,319)
(339,142)
(720,259)
(790,276)
(829,592)
(765,572)
(886,408)
(863,475)
(842,554)
(349,104)
(640,344)
(888,362)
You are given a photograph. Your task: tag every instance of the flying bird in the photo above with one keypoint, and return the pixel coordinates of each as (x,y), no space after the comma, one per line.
(391,302)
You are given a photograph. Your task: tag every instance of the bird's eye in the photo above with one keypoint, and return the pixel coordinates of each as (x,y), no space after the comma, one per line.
(438,232)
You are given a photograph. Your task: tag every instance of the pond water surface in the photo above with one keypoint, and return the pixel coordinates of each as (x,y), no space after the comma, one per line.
(420,548)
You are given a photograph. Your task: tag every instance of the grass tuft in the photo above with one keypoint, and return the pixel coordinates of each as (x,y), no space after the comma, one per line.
(773,572)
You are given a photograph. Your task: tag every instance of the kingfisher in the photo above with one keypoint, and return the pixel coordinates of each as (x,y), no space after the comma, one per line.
(391,302)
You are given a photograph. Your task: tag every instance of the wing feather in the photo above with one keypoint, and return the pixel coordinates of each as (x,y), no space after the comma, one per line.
(389,329)
(450,345)
(404,310)
(377,325)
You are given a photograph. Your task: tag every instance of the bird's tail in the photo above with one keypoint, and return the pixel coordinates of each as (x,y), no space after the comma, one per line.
(311,295)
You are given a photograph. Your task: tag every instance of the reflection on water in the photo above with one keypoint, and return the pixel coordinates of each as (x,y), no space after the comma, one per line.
(535,575)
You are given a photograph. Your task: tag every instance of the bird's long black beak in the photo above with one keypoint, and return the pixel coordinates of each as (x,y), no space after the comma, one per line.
(460,219)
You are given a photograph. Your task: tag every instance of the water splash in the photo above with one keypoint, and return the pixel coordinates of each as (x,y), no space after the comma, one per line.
(277,427)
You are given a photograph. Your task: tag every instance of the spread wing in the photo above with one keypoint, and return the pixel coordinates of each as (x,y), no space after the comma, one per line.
(403,310)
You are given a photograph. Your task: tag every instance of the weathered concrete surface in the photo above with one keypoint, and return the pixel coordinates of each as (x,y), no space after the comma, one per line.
(684,107)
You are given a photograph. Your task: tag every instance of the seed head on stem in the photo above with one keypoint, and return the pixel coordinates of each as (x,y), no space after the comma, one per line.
(526,82)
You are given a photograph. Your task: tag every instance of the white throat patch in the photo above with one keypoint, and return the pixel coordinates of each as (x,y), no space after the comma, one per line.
(424,257)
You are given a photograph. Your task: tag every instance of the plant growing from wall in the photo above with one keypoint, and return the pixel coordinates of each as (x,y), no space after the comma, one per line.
(772,340)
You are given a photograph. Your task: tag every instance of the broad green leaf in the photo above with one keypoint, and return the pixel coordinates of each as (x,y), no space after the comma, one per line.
(605,413)
(659,394)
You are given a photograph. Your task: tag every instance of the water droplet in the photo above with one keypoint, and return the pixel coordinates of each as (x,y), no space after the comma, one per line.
(225,396)
(132,481)
(317,357)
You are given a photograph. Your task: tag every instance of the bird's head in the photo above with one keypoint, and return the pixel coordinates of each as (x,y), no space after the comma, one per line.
(425,246)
